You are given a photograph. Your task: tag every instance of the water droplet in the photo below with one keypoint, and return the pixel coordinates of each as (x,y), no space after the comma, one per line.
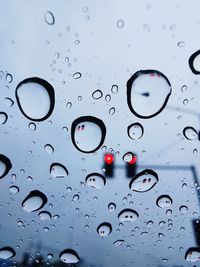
(114,89)
(49,18)
(95,180)
(35,98)
(193,255)
(194,62)
(181,44)
(120,24)
(3,117)
(44,215)
(112,111)
(49,149)
(185,101)
(79,98)
(128,215)
(164,201)
(69,256)
(9,78)
(7,253)
(190,133)
(75,198)
(77,75)
(104,229)
(49,256)
(144,181)
(107,98)
(148,92)
(184,88)
(169,212)
(97,94)
(119,243)
(183,209)
(135,131)
(130,158)
(88,133)
(14,189)
(5,165)
(32,126)
(149,223)
(8,102)
(184,185)
(58,170)
(68,105)
(34,201)
(111,206)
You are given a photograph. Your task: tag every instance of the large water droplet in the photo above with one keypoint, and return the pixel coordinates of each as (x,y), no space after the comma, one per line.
(69,256)
(95,180)
(97,94)
(104,229)
(135,131)
(3,117)
(34,201)
(7,253)
(44,215)
(58,170)
(144,181)
(164,201)
(5,165)
(88,134)
(194,62)
(148,92)
(190,133)
(35,98)
(128,215)
(49,18)
(193,254)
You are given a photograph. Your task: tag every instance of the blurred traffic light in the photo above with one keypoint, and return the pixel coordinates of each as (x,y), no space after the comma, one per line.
(109,165)
(131,161)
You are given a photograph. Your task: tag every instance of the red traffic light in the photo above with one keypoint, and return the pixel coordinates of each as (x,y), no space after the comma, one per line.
(108,159)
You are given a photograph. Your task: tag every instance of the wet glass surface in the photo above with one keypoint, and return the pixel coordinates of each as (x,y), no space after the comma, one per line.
(99,133)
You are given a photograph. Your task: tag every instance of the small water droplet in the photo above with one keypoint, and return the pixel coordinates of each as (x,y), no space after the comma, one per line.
(97,94)
(49,18)
(181,44)
(183,209)
(111,206)
(114,89)
(119,243)
(49,149)
(75,198)
(32,126)
(120,24)
(184,88)
(77,75)
(112,111)
(14,189)
(185,101)
(9,78)
(3,117)
(107,98)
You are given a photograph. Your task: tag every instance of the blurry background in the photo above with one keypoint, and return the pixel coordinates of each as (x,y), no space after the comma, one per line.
(80,47)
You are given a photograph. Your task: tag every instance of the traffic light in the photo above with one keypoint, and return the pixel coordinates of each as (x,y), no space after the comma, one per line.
(131,161)
(109,164)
